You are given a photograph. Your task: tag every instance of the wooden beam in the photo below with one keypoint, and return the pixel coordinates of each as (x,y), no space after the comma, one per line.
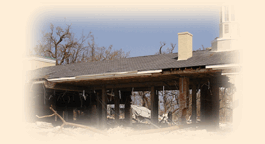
(170,84)
(190,71)
(166,78)
(160,88)
(62,86)
(141,84)
(164,75)
(127,86)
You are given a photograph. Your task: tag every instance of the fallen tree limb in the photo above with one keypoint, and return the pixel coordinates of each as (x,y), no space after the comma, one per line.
(77,125)
(71,124)
(45,116)
(153,124)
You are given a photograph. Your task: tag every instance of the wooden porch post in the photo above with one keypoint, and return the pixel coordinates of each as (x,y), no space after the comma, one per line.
(70,114)
(154,105)
(203,103)
(104,107)
(128,114)
(194,107)
(208,105)
(117,105)
(183,94)
(99,111)
(215,103)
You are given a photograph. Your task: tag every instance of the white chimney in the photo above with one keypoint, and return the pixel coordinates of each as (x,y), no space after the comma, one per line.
(184,45)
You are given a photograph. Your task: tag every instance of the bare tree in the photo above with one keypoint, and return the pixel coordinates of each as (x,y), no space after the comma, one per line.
(96,53)
(169,100)
(62,45)
(78,51)
(66,51)
(56,44)
(172,47)
(168,50)
(56,39)
(92,49)
(145,98)
(203,47)
(162,44)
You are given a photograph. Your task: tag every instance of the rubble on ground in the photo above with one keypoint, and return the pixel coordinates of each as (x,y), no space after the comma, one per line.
(46,131)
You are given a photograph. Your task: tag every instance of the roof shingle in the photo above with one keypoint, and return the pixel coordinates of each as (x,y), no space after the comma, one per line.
(142,63)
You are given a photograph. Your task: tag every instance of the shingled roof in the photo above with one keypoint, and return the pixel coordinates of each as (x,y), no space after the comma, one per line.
(142,63)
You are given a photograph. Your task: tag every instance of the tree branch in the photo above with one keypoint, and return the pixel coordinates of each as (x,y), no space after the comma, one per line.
(51,53)
(45,116)
(72,124)
(162,44)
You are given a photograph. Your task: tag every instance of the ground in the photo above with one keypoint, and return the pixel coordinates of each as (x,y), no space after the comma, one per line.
(42,131)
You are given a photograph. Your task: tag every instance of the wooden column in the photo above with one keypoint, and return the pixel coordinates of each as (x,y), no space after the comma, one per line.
(183,94)
(208,105)
(215,103)
(154,105)
(104,107)
(117,105)
(202,99)
(99,107)
(94,118)
(43,108)
(89,106)
(194,107)
(128,114)
(70,114)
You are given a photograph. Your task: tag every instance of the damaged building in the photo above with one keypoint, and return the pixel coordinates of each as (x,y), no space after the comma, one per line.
(84,90)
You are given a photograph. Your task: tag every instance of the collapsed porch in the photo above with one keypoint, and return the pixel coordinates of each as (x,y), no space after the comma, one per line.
(182,79)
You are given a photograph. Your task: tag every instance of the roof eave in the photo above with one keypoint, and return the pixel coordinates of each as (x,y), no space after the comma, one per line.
(104,75)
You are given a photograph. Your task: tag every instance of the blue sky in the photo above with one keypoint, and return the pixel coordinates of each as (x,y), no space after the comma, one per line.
(135,29)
